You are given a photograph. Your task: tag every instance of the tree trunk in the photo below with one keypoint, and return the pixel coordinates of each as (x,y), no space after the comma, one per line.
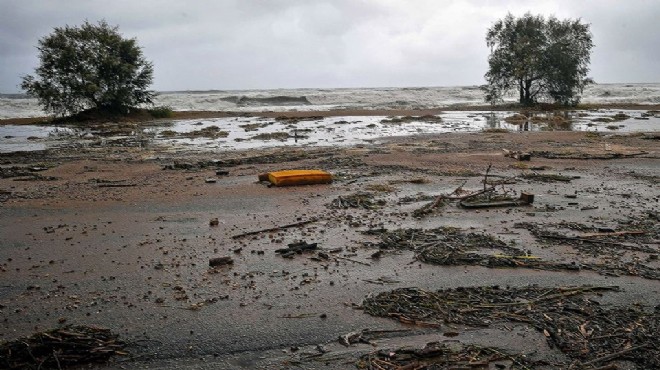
(526,92)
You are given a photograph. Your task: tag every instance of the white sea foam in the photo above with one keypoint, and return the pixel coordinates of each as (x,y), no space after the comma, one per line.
(12,106)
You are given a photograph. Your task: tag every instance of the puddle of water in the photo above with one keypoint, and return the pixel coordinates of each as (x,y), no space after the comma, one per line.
(255,132)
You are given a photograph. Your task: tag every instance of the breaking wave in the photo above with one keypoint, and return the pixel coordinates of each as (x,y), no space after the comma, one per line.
(17,105)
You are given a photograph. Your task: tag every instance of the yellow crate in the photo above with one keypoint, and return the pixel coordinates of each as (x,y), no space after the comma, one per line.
(299,177)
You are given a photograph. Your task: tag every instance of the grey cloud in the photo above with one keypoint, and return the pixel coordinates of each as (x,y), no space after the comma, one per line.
(235,44)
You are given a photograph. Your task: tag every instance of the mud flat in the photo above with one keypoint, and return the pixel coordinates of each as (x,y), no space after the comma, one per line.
(120,237)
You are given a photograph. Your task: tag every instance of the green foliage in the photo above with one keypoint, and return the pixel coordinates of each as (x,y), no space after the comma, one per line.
(541,59)
(91,67)
(161,112)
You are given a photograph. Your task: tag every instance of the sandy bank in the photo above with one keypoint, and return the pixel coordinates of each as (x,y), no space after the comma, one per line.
(178,115)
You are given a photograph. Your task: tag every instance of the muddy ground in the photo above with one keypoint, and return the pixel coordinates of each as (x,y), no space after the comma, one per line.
(121,237)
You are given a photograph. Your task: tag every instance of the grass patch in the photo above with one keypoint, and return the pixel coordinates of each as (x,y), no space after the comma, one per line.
(212,132)
(161,112)
(254,126)
(516,119)
(495,131)
(283,136)
(408,119)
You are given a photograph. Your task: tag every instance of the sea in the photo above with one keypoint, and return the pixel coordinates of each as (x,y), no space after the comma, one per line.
(239,132)
(309,99)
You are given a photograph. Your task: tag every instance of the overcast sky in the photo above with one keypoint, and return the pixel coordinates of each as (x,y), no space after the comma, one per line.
(261,44)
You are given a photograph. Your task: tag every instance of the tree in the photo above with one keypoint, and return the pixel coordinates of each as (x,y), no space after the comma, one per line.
(90,67)
(539,58)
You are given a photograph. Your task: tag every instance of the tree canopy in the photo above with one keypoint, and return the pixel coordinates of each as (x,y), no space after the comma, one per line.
(541,59)
(90,67)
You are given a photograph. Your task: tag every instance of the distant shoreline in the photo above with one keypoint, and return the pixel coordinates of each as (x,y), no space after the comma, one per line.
(180,115)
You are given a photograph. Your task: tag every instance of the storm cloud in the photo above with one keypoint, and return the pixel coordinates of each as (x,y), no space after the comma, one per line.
(260,44)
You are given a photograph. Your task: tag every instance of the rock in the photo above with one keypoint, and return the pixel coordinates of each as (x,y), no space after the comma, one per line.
(220,261)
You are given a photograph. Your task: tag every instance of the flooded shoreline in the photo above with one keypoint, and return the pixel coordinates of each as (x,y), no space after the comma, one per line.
(253,132)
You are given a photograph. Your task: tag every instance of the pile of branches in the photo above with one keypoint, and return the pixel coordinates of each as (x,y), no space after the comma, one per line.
(579,327)
(450,237)
(487,194)
(451,246)
(357,200)
(597,244)
(443,356)
(60,348)
(447,246)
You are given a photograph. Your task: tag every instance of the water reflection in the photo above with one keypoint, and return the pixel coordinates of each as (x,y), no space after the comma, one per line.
(237,133)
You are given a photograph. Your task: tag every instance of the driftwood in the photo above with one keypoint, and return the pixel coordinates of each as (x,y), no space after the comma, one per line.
(296,248)
(525,198)
(352,260)
(428,208)
(278,228)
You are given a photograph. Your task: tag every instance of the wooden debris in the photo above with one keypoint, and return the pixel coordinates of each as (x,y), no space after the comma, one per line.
(357,200)
(278,228)
(436,355)
(450,246)
(61,348)
(497,201)
(352,260)
(581,328)
(296,248)
(516,154)
(221,261)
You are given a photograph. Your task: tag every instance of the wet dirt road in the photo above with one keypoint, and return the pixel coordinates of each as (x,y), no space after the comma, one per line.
(109,238)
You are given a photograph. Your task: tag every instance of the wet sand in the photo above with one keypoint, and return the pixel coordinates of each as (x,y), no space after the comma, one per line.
(108,237)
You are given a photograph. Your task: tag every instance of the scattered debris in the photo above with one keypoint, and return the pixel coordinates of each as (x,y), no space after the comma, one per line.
(521,156)
(364,336)
(586,156)
(450,246)
(351,338)
(16,171)
(486,201)
(484,198)
(436,355)
(60,348)
(357,200)
(580,327)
